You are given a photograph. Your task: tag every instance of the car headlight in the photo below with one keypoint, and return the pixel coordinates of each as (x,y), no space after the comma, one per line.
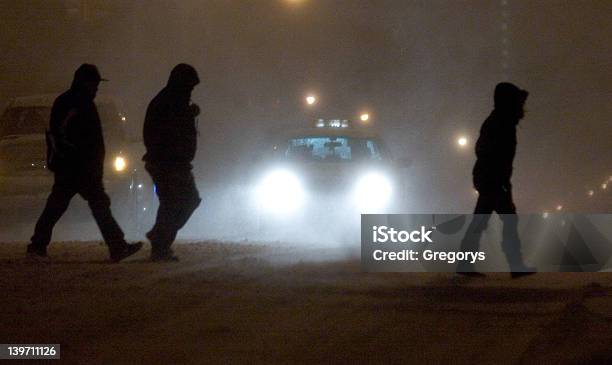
(280,191)
(372,193)
(119,164)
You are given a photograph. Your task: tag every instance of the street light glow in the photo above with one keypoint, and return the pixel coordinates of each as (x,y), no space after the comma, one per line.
(364,117)
(462,141)
(311,99)
(120,164)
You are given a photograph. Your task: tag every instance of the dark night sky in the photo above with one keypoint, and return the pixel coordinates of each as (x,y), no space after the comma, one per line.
(425,69)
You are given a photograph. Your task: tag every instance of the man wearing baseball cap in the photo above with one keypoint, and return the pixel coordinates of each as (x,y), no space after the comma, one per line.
(76,152)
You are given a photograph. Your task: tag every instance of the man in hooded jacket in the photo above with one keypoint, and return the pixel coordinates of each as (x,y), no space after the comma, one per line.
(170,137)
(76,156)
(495,150)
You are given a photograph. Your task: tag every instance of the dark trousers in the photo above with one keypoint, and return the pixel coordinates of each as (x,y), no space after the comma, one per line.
(495,200)
(178,199)
(91,188)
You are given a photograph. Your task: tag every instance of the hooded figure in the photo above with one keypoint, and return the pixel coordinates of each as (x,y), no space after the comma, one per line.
(496,146)
(170,134)
(170,137)
(76,156)
(495,150)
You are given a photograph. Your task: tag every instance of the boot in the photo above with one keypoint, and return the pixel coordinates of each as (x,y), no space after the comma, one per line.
(161,252)
(36,252)
(467,269)
(124,251)
(518,268)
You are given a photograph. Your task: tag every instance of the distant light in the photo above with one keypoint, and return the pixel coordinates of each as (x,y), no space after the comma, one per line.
(604,186)
(364,117)
(545,215)
(139,186)
(462,141)
(320,123)
(591,193)
(123,119)
(311,99)
(120,164)
(559,207)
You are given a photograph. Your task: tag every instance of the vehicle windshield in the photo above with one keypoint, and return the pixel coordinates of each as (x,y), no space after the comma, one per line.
(24,120)
(333,149)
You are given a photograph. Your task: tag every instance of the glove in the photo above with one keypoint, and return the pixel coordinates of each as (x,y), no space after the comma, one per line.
(194,109)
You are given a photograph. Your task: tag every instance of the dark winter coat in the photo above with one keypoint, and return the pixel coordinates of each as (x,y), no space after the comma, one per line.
(170,134)
(77,131)
(495,150)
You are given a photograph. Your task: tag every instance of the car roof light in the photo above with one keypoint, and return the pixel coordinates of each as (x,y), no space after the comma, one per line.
(333,123)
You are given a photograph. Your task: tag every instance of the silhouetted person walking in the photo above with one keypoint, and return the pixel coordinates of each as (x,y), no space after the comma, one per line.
(495,150)
(170,137)
(76,156)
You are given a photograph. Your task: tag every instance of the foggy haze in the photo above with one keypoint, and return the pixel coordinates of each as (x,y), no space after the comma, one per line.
(424,69)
